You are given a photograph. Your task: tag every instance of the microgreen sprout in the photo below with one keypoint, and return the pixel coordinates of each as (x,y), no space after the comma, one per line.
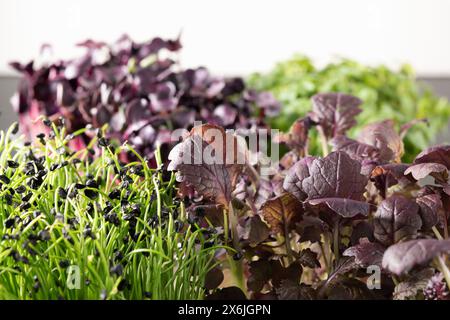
(117,224)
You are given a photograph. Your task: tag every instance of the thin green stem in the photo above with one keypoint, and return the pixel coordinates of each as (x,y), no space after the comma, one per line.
(336,241)
(236,266)
(437,233)
(444,269)
(323,142)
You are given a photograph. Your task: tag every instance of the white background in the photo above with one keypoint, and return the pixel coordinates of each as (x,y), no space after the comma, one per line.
(240,36)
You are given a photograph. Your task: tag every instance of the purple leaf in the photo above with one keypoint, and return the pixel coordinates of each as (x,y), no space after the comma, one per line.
(400,258)
(356,150)
(213,278)
(414,284)
(382,135)
(297,138)
(163,98)
(397,217)
(335,176)
(308,258)
(145,136)
(429,207)
(226,114)
(118,121)
(281,213)
(346,208)
(335,112)
(183,117)
(366,253)
(266,190)
(260,273)
(228,293)
(363,229)
(137,110)
(155,45)
(267,102)
(258,230)
(388,175)
(234,86)
(136,85)
(311,228)
(295,175)
(214,180)
(436,154)
(422,170)
(291,290)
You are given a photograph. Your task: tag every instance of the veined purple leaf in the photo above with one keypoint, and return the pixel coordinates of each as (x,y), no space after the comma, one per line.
(214,178)
(366,253)
(346,208)
(335,176)
(297,138)
(385,138)
(400,258)
(422,170)
(409,288)
(397,217)
(429,207)
(436,154)
(356,150)
(281,213)
(335,112)
(295,176)
(346,288)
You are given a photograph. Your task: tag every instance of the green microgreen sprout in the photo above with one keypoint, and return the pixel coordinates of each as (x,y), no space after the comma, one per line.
(74,226)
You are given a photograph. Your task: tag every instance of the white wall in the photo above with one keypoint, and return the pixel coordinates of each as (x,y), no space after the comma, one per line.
(240,36)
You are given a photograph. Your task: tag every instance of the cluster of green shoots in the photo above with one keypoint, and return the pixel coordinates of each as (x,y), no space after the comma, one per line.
(83,225)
